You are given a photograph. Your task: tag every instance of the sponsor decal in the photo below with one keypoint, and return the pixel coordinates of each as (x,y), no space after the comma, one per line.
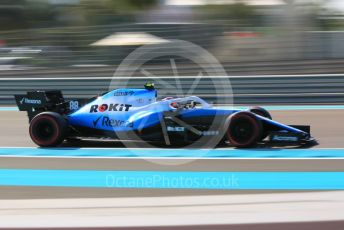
(210,133)
(284,138)
(109,107)
(175,129)
(140,100)
(105,121)
(182,129)
(123,93)
(30,101)
(95,122)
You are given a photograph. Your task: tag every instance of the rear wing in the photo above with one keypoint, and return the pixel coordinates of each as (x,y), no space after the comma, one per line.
(39,101)
(36,102)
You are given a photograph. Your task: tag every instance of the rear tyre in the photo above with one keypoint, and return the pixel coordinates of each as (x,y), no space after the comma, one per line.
(244,129)
(48,129)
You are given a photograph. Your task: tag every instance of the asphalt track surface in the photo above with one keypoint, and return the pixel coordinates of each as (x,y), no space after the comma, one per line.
(326,127)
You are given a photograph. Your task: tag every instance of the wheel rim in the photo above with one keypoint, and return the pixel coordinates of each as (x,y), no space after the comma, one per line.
(244,129)
(44,131)
(241,131)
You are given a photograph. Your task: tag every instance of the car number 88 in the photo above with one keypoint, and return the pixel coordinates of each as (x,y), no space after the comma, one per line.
(73,105)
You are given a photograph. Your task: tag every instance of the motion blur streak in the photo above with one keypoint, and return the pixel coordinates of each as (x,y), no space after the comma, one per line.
(239,212)
(247,90)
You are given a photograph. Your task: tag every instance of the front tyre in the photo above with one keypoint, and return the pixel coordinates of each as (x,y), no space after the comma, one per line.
(244,129)
(48,129)
(261,112)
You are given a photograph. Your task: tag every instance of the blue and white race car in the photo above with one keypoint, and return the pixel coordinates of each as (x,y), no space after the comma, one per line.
(137,115)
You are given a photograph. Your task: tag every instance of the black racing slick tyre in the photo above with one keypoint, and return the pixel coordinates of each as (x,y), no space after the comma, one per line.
(261,112)
(264,113)
(244,129)
(48,129)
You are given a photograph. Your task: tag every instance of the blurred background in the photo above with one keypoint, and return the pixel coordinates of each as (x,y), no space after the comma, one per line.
(86,38)
(247,36)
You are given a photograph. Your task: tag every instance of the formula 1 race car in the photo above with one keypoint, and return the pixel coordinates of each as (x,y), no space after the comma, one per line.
(137,115)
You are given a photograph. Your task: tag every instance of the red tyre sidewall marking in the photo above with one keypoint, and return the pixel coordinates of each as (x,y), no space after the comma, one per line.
(256,129)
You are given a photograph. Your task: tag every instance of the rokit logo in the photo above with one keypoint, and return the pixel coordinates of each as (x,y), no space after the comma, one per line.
(110,107)
(30,101)
(108,122)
